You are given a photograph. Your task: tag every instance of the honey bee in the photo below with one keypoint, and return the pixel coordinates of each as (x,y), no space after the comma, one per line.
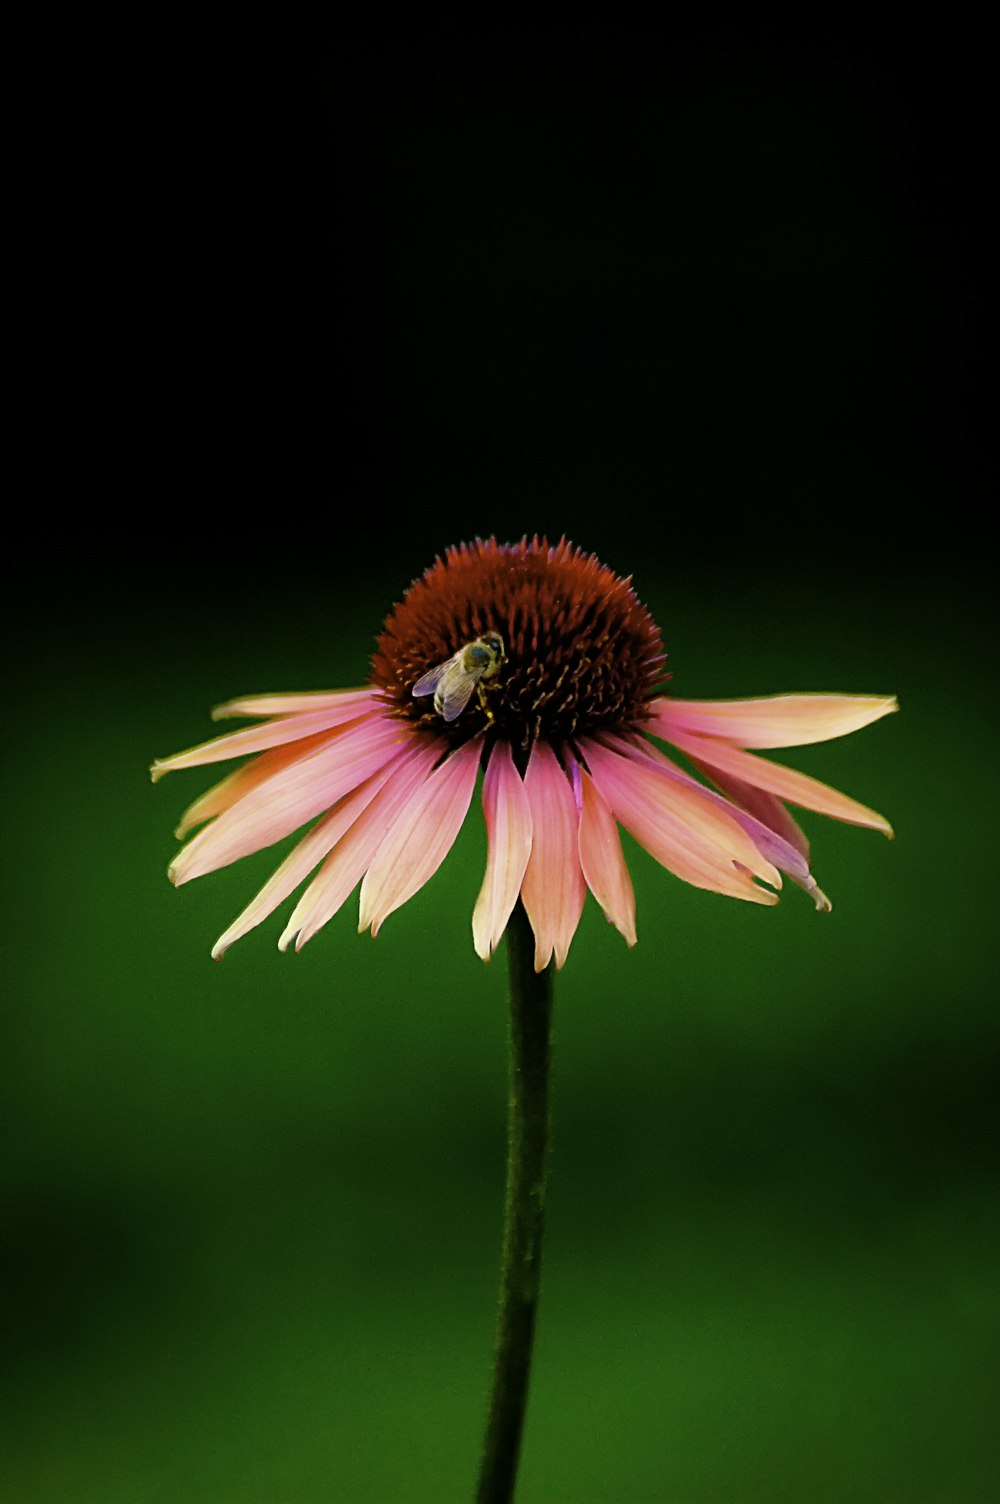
(452,682)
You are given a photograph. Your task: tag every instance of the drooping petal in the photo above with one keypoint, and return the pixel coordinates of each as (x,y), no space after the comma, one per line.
(259,738)
(267,705)
(300,862)
(553,889)
(221,796)
(298,793)
(603,860)
(682,827)
(811,886)
(767,837)
(350,859)
(785,783)
(508,832)
(782,853)
(767,808)
(419,842)
(772,721)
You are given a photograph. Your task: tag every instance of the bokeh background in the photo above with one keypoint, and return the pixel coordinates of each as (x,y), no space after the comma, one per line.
(705,304)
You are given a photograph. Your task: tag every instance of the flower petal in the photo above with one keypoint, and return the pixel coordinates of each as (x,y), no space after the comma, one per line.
(681,827)
(603,860)
(767,808)
(785,783)
(767,834)
(266,705)
(298,793)
(775,834)
(508,829)
(553,889)
(300,862)
(353,855)
(221,796)
(771,721)
(769,843)
(419,842)
(259,738)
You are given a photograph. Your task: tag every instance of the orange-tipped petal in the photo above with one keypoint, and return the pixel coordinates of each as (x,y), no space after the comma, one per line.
(259,738)
(508,831)
(419,842)
(298,793)
(553,889)
(221,796)
(798,788)
(355,851)
(772,721)
(299,863)
(603,860)
(682,827)
(267,705)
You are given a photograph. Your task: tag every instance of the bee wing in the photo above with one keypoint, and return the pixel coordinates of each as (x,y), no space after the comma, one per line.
(456,692)
(428,683)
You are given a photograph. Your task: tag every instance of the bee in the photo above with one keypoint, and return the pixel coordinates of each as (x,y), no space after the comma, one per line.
(452,682)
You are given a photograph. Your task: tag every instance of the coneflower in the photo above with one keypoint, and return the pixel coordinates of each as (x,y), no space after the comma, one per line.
(563,730)
(539,666)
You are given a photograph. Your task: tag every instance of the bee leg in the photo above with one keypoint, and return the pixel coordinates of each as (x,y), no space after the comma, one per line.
(484,703)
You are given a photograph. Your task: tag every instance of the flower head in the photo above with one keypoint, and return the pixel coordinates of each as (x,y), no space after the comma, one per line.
(541,667)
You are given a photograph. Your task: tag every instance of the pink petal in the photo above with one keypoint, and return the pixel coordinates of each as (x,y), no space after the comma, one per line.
(299,863)
(772,829)
(768,842)
(222,795)
(353,855)
(259,738)
(603,860)
(767,808)
(767,837)
(785,783)
(265,705)
(553,888)
(681,827)
(419,842)
(306,788)
(508,830)
(772,721)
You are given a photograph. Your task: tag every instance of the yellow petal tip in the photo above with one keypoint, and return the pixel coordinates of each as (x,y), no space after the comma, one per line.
(819,898)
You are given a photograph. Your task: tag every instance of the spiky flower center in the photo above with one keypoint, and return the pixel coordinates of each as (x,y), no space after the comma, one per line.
(582,654)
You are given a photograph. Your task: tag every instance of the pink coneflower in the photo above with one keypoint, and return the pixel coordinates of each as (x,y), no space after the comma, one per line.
(561,701)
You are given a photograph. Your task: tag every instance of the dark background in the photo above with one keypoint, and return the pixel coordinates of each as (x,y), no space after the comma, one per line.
(305,311)
(362,297)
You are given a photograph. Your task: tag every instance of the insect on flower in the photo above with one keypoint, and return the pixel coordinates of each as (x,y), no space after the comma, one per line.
(561,714)
(452,682)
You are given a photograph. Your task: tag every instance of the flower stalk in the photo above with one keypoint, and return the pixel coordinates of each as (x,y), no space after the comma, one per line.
(524,1213)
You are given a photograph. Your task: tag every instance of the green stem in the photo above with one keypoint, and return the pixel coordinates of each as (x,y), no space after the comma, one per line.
(524,1213)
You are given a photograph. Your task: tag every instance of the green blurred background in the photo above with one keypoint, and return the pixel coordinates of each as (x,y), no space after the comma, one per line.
(705,308)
